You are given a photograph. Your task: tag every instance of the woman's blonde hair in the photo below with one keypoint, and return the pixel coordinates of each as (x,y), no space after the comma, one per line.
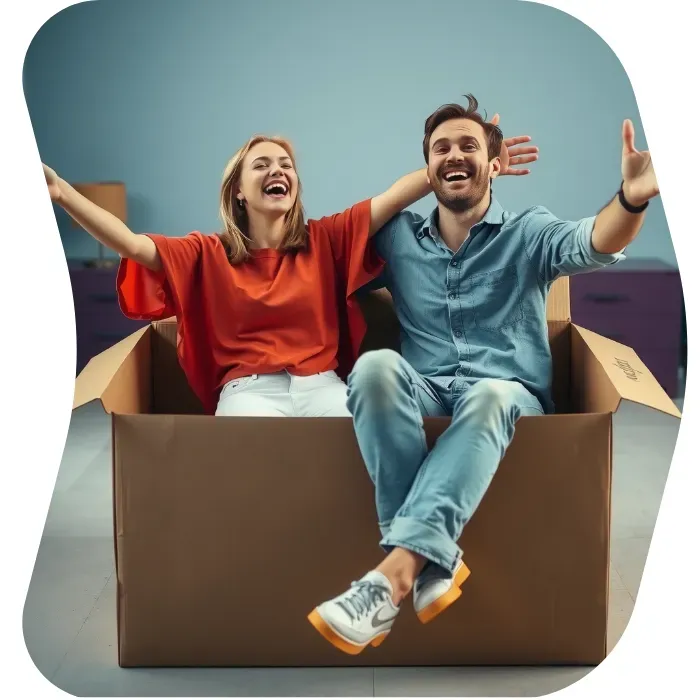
(235,218)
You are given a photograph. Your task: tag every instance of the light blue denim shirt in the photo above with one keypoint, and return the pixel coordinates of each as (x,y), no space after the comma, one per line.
(481,312)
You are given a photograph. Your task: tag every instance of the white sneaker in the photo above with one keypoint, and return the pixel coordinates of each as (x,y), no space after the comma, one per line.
(362,615)
(434,592)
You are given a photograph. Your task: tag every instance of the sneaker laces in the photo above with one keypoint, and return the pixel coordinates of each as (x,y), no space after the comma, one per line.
(362,599)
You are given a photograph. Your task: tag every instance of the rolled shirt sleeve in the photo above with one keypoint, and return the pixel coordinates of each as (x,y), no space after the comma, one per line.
(562,248)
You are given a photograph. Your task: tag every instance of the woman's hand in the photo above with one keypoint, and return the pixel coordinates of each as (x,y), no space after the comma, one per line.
(52,182)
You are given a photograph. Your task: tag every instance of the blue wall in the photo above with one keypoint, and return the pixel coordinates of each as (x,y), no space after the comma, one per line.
(160,93)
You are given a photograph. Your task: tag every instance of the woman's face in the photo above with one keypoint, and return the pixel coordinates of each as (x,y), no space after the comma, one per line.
(268,183)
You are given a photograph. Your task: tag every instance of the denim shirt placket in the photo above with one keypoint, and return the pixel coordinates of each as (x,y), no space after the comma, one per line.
(459,338)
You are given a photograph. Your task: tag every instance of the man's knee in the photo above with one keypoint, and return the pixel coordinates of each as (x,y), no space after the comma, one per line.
(495,392)
(378,375)
(492,400)
(376,365)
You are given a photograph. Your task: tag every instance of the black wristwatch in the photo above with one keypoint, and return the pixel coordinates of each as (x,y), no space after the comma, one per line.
(630,208)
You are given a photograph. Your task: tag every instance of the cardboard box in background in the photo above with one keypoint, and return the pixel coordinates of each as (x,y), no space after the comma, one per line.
(229,531)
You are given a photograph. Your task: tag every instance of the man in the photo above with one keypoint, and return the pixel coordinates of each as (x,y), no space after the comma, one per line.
(469,285)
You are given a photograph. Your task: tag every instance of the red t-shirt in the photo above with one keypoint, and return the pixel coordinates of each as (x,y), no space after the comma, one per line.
(278,310)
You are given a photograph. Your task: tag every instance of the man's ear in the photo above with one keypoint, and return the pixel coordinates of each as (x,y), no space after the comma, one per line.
(495,168)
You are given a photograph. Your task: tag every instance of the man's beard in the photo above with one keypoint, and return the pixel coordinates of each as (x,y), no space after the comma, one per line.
(460,202)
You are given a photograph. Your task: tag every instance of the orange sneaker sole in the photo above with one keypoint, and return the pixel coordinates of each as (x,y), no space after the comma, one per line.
(430,612)
(330,635)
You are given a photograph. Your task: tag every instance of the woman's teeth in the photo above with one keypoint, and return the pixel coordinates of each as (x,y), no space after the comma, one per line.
(276,190)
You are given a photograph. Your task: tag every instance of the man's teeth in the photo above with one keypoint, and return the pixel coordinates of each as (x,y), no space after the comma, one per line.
(456,175)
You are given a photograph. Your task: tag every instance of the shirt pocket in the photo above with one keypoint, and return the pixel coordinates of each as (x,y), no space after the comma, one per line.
(494,299)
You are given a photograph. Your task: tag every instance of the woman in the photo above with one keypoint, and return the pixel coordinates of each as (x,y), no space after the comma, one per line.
(265,310)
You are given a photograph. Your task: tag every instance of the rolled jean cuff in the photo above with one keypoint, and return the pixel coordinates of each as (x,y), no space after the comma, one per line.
(384,528)
(424,539)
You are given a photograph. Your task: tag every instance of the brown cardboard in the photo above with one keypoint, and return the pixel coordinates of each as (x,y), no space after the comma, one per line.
(118,377)
(628,375)
(219,567)
(229,531)
(558,301)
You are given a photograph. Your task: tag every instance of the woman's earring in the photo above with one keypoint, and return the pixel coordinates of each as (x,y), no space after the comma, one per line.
(241,203)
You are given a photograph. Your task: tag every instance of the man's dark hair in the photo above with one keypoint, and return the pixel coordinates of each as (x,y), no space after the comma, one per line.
(494,136)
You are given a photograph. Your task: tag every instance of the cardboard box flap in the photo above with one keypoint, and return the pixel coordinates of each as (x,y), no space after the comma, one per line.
(167,327)
(97,380)
(627,373)
(558,304)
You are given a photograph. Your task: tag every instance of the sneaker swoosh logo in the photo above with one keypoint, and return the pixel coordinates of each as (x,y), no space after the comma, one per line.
(378,621)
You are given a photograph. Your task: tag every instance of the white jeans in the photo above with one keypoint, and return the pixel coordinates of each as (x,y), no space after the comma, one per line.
(284,394)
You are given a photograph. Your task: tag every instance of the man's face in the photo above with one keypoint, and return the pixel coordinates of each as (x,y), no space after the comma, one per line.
(459,169)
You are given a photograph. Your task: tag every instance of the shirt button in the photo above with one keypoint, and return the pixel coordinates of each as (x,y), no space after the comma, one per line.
(452,295)
(454,263)
(461,372)
(458,334)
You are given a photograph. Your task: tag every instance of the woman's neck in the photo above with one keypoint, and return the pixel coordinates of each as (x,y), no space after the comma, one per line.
(265,231)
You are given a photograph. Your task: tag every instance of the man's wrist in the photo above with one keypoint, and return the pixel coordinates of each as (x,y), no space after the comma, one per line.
(633,204)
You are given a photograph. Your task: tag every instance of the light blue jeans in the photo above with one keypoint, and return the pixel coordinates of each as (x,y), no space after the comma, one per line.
(424,499)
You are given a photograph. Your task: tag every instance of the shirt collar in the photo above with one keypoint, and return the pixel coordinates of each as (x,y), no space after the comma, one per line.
(494,217)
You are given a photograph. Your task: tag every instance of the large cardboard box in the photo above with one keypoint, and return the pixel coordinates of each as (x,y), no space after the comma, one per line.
(228,531)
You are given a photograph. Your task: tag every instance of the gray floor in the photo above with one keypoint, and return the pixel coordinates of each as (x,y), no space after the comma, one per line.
(69,618)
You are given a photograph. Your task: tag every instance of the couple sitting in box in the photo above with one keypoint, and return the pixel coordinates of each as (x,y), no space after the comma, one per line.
(267,312)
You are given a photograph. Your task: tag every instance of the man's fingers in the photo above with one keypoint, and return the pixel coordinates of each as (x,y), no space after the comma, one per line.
(523,150)
(513,171)
(515,140)
(520,160)
(628,136)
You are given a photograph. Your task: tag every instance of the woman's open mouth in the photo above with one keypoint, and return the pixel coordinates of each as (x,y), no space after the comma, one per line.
(276,190)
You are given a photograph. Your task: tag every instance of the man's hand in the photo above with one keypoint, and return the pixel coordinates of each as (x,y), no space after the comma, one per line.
(638,174)
(615,227)
(510,155)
